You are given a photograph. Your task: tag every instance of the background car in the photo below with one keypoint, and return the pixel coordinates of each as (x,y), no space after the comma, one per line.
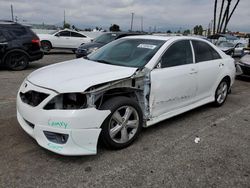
(130,83)
(230,48)
(243,66)
(63,39)
(86,49)
(19,45)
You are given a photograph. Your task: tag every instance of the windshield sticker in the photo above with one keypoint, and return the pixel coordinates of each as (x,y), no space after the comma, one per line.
(148,46)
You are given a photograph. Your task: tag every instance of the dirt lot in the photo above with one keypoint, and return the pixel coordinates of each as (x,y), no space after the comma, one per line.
(165,155)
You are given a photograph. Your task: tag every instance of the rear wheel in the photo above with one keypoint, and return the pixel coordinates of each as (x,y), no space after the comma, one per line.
(221,93)
(17,61)
(46,46)
(124,123)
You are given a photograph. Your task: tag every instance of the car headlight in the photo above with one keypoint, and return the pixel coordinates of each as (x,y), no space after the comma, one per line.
(67,101)
(90,50)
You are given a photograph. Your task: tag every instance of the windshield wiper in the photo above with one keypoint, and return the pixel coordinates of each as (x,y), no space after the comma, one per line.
(102,61)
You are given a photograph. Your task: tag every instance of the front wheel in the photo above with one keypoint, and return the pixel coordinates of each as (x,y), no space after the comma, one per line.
(221,93)
(124,123)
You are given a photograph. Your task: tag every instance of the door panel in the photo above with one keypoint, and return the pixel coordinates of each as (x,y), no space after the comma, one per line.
(209,65)
(207,77)
(174,85)
(62,40)
(172,88)
(77,39)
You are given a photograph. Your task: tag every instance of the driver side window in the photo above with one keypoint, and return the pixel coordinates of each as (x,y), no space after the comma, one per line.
(177,54)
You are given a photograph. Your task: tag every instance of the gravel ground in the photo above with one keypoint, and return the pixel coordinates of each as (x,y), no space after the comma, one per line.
(165,155)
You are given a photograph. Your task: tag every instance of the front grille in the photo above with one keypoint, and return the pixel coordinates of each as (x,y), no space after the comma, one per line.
(33,98)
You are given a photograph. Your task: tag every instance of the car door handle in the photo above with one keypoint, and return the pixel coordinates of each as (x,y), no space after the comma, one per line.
(221,64)
(193,71)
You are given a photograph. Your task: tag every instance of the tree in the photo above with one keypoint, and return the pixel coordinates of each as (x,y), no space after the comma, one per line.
(215,10)
(224,20)
(187,32)
(169,31)
(221,10)
(198,30)
(114,27)
(66,25)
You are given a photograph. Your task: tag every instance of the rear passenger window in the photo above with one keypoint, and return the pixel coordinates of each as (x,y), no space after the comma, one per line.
(19,32)
(179,53)
(64,34)
(204,52)
(73,34)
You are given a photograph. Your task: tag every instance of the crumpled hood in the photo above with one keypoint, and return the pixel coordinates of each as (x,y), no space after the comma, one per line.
(78,75)
(224,49)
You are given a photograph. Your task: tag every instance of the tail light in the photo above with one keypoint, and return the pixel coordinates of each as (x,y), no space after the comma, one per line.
(36,41)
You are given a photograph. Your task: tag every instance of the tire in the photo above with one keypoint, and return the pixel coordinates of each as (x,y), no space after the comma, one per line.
(17,61)
(46,46)
(119,130)
(221,93)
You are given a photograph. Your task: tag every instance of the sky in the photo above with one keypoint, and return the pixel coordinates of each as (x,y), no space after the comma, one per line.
(160,14)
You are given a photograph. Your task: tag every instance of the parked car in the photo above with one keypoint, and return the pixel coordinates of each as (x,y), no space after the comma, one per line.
(85,49)
(231,48)
(243,66)
(63,39)
(19,45)
(130,83)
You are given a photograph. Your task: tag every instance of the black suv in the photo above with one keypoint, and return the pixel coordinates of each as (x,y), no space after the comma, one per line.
(19,45)
(87,48)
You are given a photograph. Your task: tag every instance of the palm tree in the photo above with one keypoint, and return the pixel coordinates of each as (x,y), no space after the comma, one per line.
(221,9)
(222,24)
(229,16)
(215,10)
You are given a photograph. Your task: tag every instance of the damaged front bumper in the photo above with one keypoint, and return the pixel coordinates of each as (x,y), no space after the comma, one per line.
(66,132)
(242,69)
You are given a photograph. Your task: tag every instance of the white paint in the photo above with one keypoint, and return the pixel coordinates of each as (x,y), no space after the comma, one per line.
(65,41)
(174,90)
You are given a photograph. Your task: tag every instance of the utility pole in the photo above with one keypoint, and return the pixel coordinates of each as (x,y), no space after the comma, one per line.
(149,29)
(132,20)
(64,18)
(142,24)
(12,15)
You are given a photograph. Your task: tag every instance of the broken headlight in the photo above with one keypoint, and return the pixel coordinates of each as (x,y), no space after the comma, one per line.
(67,101)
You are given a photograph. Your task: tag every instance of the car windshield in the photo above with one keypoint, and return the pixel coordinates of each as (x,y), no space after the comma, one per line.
(226,44)
(106,38)
(127,52)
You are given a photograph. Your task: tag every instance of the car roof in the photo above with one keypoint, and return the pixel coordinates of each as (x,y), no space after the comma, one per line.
(164,38)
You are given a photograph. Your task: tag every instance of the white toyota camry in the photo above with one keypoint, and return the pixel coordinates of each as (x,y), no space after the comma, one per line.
(130,83)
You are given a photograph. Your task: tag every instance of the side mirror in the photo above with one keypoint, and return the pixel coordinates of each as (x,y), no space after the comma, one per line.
(158,66)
